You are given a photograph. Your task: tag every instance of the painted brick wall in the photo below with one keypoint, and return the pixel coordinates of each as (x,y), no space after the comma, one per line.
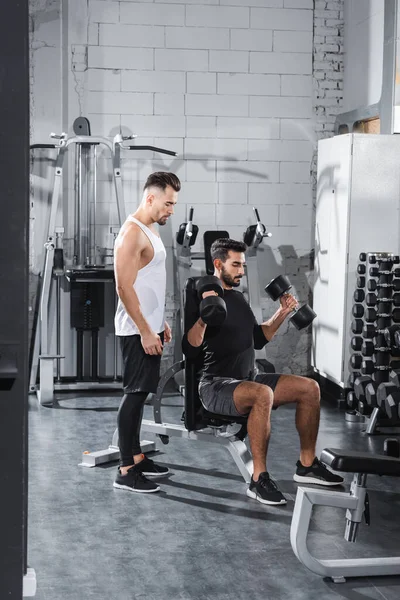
(241,89)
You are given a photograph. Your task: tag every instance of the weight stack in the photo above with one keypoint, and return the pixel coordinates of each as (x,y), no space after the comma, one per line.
(376,307)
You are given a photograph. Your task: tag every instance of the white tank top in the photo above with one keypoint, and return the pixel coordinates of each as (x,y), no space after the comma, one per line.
(149,286)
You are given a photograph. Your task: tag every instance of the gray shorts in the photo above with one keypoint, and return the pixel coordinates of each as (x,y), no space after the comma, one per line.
(216,394)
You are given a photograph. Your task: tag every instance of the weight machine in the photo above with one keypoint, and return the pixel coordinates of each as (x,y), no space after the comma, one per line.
(85,275)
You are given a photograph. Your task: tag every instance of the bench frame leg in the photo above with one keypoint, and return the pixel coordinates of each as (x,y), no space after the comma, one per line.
(337,569)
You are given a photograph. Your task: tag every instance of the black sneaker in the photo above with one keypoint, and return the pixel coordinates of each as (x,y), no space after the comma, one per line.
(318,473)
(265,490)
(151,469)
(135,481)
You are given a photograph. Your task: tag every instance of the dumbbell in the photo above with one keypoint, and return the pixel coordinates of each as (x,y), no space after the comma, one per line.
(371,314)
(372,299)
(392,336)
(394,377)
(390,258)
(372,285)
(362,257)
(368,367)
(303,316)
(212,308)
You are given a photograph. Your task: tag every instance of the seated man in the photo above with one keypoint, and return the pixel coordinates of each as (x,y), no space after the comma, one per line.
(229,384)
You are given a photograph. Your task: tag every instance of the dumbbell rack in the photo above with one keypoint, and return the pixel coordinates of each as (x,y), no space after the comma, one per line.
(375,309)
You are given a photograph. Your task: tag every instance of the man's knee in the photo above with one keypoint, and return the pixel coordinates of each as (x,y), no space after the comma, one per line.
(311,392)
(263,395)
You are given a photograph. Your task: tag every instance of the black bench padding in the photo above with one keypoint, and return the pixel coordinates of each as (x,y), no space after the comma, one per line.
(350,461)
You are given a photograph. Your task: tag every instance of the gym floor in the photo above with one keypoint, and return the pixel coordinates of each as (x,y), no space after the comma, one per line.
(200,538)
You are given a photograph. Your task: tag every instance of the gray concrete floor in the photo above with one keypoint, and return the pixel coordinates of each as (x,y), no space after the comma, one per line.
(200,538)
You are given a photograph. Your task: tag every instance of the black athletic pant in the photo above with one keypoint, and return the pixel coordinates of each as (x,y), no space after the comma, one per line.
(140,377)
(129,420)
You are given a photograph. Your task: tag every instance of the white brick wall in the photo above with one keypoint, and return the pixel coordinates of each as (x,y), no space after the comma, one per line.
(241,89)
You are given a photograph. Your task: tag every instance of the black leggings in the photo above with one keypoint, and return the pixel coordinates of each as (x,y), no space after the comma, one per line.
(129,420)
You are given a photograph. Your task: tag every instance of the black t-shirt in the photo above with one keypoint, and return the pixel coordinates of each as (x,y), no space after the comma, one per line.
(228,351)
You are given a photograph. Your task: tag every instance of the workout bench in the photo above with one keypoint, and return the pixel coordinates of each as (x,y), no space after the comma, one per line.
(356,504)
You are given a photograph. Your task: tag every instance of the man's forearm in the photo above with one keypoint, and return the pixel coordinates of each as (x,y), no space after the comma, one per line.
(195,335)
(132,306)
(271,326)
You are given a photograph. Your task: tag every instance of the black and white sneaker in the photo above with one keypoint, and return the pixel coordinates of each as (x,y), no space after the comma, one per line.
(265,490)
(135,481)
(317,473)
(151,469)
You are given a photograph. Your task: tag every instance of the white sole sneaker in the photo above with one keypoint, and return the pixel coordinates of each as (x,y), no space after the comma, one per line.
(155,474)
(313,480)
(119,486)
(255,496)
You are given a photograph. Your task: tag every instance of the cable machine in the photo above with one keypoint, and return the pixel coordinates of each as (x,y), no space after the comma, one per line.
(85,277)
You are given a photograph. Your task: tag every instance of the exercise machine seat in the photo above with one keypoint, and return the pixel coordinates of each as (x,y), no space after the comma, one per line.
(350,461)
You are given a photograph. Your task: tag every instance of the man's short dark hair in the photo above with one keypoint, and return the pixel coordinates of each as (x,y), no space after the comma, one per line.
(220,248)
(161,180)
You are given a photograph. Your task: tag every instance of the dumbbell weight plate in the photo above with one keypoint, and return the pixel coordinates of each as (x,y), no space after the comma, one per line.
(359,296)
(361,281)
(371,299)
(367,348)
(384,389)
(303,317)
(361,269)
(358,311)
(396,299)
(392,403)
(277,287)
(368,331)
(362,257)
(351,400)
(396,315)
(209,283)
(370,394)
(353,378)
(367,366)
(213,311)
(356,343)
(356,361)
(391,447)
(360,385)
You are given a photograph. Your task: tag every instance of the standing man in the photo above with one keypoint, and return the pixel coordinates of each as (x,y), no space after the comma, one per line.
(140,275)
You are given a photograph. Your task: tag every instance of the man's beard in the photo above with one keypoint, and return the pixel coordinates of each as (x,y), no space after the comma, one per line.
(162,221)
(228,279)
